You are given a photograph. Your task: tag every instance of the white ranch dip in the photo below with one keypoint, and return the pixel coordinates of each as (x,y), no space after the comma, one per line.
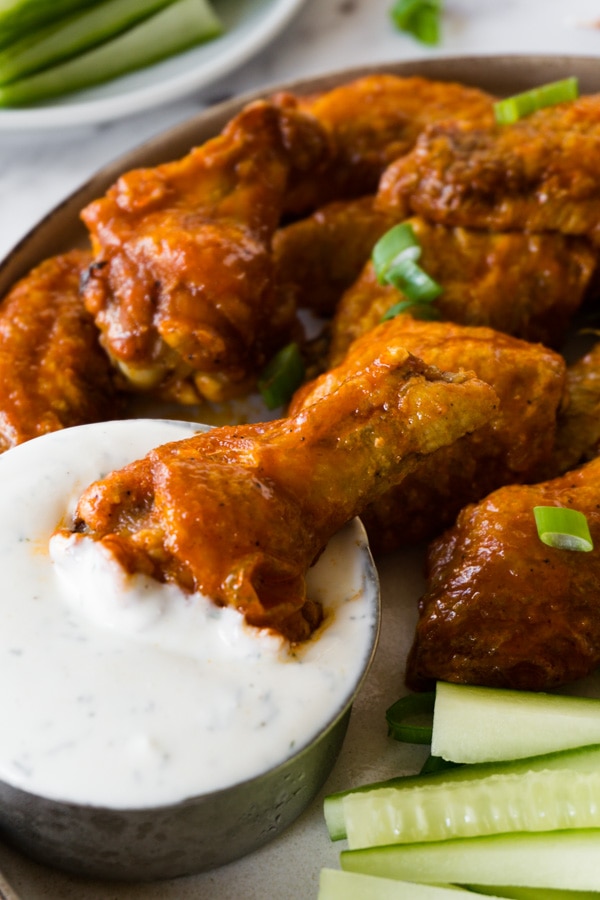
(118,691)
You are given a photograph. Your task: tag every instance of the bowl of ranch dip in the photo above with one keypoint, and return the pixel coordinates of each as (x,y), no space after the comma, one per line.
(148,733)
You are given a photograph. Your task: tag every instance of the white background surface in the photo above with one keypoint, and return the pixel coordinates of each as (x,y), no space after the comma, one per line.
(38,169)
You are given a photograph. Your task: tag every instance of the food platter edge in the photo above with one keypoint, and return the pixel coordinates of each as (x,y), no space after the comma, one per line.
(61,229)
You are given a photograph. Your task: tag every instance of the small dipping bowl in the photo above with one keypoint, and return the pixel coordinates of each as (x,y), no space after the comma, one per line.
(52,803)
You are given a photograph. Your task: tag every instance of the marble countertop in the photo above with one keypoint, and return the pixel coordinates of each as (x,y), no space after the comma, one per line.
(38,169)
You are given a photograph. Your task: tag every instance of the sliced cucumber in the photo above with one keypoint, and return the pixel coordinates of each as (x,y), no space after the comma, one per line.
(478,724)
(337,885)
(582,760)
(533,801)
(175,28)
(66,37)
(559,860)
(512,893)
(20,16)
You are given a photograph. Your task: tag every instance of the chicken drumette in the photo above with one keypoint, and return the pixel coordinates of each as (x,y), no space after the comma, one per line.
(516,445)
(526,285)
(539,174)
(502,608)
(240,513)
(181,286)
(53,371)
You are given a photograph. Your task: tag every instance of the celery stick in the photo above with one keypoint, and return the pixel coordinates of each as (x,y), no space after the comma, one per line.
(337,885)
(67,37)
(564,859)
(512,893)
(175,28)
(581,759)
(20,16)
(478,724)
(534,801)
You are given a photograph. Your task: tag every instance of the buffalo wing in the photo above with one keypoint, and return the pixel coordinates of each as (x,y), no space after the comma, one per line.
(240,513)
(502,608)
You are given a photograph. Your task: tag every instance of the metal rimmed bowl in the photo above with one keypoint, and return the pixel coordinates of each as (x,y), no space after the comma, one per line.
(208,828)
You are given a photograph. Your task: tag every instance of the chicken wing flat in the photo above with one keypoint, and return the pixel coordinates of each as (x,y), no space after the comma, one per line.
(317,258)
(227,513)
(527,285)
(516,445)
(53,371)
(371,122)
(502,608)
(539,174)
(182,284)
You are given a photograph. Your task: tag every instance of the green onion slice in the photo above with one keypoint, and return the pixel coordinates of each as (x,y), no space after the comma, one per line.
(397,244)
(413,281)
(280,378)
(406,708)
(419,310)
(517,107)
(420,18)
(563,527)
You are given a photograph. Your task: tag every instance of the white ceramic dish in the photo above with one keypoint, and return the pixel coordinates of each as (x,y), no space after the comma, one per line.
(249,26)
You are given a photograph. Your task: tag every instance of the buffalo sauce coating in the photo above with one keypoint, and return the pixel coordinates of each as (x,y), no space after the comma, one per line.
(53,371)
(502,608)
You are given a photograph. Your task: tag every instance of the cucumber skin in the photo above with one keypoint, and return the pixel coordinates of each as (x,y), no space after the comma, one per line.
(580,759)
(566,860)
(144,44)
(22,16)
(549,800)
(66,37)
(480,724)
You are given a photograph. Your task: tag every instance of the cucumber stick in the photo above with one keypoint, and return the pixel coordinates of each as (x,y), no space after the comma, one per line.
(580,760)
(560,860)
(337,885)
(20,16)
(65,38)
(478,724)
(534,801)
(173,29)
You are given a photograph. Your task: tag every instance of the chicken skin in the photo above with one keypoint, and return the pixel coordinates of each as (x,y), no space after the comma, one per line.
(317,258)
(240,513)
(53,371)
(578,432)
(371,122)
(516,445)
(182,285)
(502,608)
(539,174)
(527,285)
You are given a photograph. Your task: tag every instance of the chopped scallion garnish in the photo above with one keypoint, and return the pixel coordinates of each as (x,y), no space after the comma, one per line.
(406,708)
(413,281)
(517,107)
(397,244)
(282,375)
(563,527)
(395,258)
(420,18)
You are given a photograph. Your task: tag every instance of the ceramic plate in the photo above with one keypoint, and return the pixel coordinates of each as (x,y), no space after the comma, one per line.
(289,867)
(249,26)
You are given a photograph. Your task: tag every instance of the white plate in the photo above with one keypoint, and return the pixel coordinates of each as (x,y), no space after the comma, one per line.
(249,26)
